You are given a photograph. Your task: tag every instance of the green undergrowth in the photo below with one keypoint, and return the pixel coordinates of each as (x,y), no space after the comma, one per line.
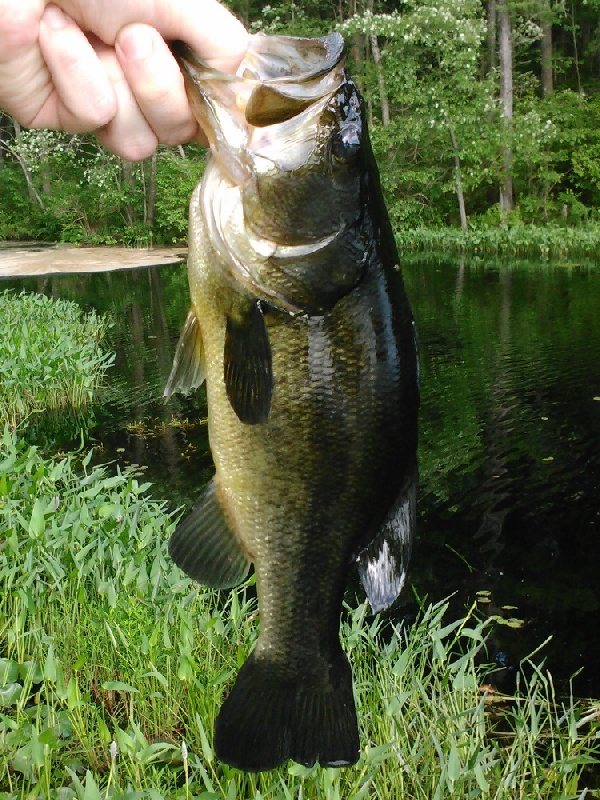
(113,666)
(51,357)
(540,241)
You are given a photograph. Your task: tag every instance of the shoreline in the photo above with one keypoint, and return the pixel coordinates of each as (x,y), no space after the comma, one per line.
(31,259)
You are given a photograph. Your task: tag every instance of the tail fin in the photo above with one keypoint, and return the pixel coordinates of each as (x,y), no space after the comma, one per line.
(269,718)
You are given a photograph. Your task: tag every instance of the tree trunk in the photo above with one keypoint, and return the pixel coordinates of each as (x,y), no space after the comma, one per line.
(492,36)
(128,181)
(151,192)
(31,190)
(546,46)
(575,50)
(547,75)
(357,46)
(383,95)
(4,122)
(506,100)
(385,105)
(45,171)
(460,196)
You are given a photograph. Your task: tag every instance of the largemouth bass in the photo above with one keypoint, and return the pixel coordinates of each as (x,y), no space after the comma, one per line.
(302,330)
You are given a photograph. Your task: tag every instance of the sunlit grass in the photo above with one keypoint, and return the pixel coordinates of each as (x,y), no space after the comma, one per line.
(540,241)
(50,356)
(113,667)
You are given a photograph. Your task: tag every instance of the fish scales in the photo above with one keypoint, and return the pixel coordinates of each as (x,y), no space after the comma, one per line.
(307,344)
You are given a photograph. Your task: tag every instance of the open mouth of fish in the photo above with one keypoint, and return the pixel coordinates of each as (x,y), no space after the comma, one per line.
(278,80)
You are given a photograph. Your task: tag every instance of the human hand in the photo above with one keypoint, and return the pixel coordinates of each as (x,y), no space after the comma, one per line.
(104,66)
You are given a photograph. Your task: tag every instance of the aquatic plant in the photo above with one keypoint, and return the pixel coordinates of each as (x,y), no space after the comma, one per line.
(113,666)
(543,241)
(50,355)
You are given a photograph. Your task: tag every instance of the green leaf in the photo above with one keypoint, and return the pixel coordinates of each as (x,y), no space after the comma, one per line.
(9,671)
(10,694)
(454,766)
(119,686)
(91,790)
(37,523)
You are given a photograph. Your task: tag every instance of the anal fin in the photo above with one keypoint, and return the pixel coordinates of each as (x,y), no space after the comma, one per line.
(247,367)
(187,372)
(382,565)
(205,547)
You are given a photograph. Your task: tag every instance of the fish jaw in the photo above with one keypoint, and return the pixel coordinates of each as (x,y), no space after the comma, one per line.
(278,80)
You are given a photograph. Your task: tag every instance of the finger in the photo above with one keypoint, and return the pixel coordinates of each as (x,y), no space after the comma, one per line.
(212,31)
(80,96)
(207,26)
(156,82)
(24,76)
(128,134)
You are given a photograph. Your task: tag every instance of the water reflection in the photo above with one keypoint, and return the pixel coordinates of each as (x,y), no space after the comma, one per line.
(509,456)
(510,432)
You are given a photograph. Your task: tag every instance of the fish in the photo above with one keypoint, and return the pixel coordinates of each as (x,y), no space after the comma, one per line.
(302,330)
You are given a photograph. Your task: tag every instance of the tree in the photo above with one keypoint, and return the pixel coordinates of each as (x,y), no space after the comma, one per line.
(429,64)
(505,49)
(545,15)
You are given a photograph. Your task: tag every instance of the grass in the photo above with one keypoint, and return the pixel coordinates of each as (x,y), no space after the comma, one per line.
(541,241)
(113,667)
(50,356)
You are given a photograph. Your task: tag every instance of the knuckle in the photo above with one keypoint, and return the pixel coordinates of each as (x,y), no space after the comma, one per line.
(18,28)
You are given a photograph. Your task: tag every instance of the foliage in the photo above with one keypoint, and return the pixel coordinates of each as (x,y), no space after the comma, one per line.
(430,66)
(516,239)
(63,187)
(50,356)
(112,669)
(430,59)
(176,179)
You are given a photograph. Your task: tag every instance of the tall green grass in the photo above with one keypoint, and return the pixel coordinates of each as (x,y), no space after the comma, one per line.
(50,356)
(539,241)
(113,666)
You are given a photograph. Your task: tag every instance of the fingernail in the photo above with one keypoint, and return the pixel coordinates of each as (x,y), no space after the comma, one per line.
(54,18)
(136,43)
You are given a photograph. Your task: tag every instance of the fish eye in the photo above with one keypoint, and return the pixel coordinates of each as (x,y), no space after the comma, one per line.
(345,144)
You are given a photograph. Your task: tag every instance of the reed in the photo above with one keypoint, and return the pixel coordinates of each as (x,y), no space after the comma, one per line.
(113,666)
(540,241)
(50,356)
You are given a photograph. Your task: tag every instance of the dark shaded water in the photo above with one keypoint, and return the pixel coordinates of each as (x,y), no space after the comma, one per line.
(510,435)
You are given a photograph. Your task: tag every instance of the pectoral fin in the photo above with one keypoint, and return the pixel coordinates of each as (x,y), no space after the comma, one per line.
(248,369)
(187,372)
(382,565)
(205,547)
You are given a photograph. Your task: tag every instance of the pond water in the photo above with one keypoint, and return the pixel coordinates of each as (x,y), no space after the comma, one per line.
(509,435)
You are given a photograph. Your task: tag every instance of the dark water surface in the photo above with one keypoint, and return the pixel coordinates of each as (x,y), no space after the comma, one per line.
(510,435)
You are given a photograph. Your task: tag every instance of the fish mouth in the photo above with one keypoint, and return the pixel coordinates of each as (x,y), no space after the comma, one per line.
(284,74)
(279,79)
